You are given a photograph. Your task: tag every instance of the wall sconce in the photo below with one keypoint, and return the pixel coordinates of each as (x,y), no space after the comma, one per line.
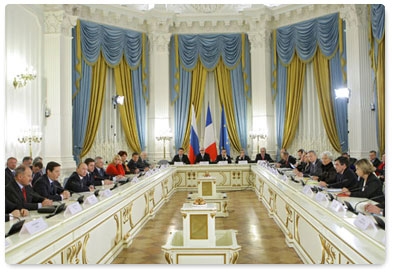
(29,137)
(166,136)
(260,134)
(117,100)
(22,79)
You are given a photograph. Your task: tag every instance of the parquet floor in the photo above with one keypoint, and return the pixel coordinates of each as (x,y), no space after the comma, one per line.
(261,241)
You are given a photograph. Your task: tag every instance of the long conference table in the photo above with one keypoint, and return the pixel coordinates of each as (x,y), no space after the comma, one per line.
(102,227)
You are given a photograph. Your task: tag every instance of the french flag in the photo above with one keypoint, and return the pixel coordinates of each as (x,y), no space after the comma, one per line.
(210,145)
(194,140)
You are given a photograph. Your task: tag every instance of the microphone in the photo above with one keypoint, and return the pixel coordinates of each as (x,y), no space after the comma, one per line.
(373,198)
(96,193)
(115,186)
(354,209)
(337,183)
(58,209)
(15,227)
(80,198)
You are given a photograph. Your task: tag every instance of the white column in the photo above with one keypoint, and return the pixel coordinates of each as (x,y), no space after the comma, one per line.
(159,120)
(57,66)
(262,104)
(362,120)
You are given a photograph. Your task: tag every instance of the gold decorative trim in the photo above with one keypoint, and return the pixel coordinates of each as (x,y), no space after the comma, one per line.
(84,248)
(168,258)
(212,214)
(289,211)
(225,206)
(118,235)
(72,253)
(234,257)
(297,236)
(224,179)
(184,215)
(327,254)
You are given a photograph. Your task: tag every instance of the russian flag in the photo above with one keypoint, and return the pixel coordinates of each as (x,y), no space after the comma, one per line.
(194,140)
(210,145)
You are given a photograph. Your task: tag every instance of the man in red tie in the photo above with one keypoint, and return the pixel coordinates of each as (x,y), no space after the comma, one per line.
(21,193)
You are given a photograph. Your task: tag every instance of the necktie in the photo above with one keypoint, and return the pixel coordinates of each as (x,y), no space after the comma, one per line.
(52,189)
(24,194)
(101,172)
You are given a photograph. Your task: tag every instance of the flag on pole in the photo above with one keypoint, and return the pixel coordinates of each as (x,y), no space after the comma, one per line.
(210,146)
(224,139)
(194,140)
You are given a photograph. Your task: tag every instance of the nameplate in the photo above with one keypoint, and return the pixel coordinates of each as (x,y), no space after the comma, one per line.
(243,162)
(307,191)
(337,206)
(223,162)
(106,193)
(72,209)
(261,162)
(321,197)
(90,200)
(177,163)
(135,179)
(204,163)
(364,222)
(34,226)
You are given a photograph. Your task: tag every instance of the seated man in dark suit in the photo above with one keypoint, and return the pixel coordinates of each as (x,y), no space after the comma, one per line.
(143,163)
(263,156)
(133,163)
(345,177)
(286,160)
(78,181)
(224,157)
(99,174)
(10,169)
(48,185)
(21,193)
(242,157)
(374,159)
(180,157)
(37,171)
(314,168)
(202,156)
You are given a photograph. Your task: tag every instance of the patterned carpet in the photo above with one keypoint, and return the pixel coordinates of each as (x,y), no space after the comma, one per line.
(261,241)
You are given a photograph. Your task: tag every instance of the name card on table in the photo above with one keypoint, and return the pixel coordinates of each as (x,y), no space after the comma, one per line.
(135,179)
(90,200)
(321,197)
(337,206)
(307,191)
(243,162)
(106,193)
(72,209)
(34,226)
(364,222)
(177,163)
(223,162)
(204,163)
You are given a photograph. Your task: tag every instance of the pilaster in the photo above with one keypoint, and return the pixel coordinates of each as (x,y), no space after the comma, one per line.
(362,120)
(58,53)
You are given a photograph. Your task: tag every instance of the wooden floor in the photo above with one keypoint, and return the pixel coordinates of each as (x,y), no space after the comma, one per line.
(261,241)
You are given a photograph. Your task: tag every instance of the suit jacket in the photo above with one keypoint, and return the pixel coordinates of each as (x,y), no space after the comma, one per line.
(142,164)
(348,179)
(99,175)
(373,189)
(76,184)
(376,162)
(266,157)
(219,158)
(36,176)
(14,194)
(184,159)
(246,157)
(133,166)
(115,170)
(205,157)
(328,173)
(9,176)
(313,169)
(44,188)
(287,163)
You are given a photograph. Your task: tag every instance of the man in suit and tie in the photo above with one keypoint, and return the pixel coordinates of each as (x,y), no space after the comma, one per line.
(224,157)
(286,160)
(99,174)
(314,168)
(21,193)
(48,185)
(243,157)
(263,156)
(180,157)
(78,181)
(10,169)
(202,156)
(373,158)
(37,171)
(133,163)
(143,163)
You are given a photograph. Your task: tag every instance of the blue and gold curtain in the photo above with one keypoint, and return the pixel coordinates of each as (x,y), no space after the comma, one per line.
(377,57)
(191,58)
(320,41)
(96,47)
